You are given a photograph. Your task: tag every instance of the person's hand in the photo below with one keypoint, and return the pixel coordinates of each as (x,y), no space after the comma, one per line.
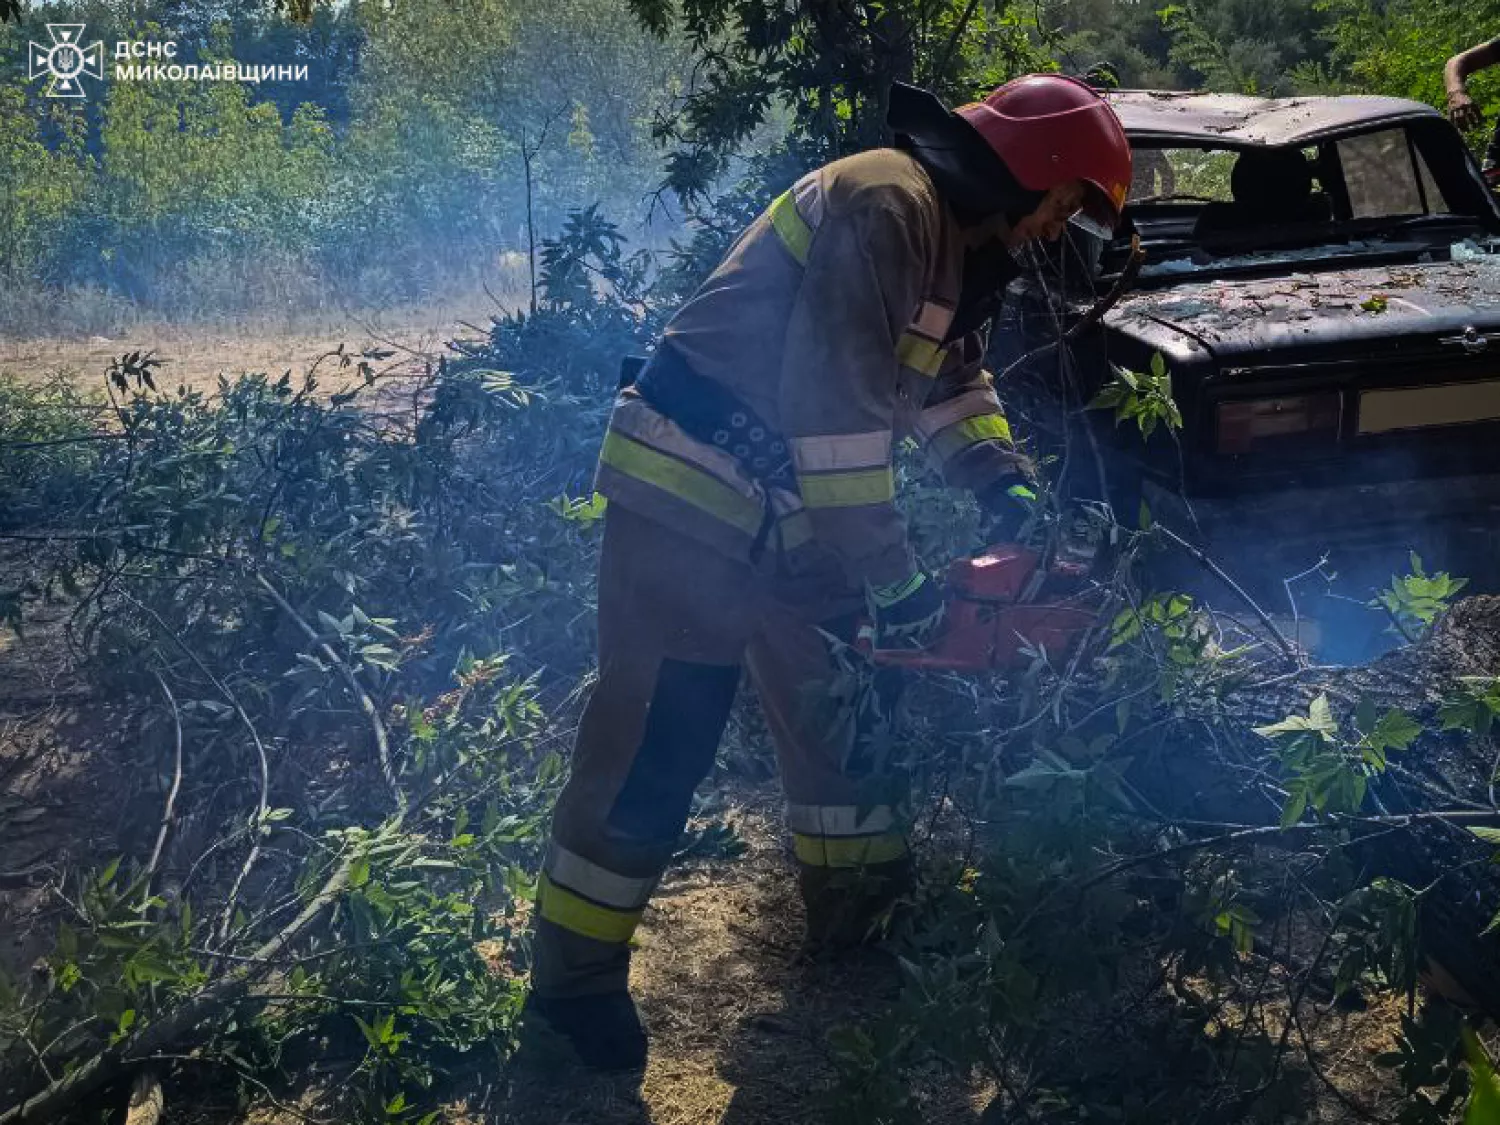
(908,614)
(1007,506)
(1462,111)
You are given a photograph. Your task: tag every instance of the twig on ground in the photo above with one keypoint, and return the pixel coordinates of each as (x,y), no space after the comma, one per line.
(1360,1110)
(169,811)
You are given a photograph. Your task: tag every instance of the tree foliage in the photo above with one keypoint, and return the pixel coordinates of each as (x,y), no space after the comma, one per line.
(396,167)
(822,72)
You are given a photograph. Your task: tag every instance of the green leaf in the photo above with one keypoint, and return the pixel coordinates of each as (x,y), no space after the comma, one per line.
(1040,776)
(1296,807)
(107,876)
(1396,730)
(370,1034)
(1484,1102)
(1292,724)
(1488,835)
(1492,927)
(1320,715)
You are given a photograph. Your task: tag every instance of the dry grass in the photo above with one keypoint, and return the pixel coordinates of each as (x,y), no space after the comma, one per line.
(196,354)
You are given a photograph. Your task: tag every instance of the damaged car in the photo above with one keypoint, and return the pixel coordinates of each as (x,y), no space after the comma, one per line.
(1319,281)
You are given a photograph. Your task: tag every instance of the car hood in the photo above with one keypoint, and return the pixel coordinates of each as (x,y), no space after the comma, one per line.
(1348,310)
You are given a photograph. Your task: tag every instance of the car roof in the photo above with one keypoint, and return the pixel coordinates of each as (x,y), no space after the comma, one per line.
(1168,117)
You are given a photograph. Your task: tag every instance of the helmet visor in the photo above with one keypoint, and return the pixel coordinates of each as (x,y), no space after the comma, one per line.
(1098,215)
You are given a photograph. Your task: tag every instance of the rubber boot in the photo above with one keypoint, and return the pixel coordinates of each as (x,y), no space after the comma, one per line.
(604,1030)
(849,906)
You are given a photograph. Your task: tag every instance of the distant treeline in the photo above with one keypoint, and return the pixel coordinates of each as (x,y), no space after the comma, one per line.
(400,164)
(395,167)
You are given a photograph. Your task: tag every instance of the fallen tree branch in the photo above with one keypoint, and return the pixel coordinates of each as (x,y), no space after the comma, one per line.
(113,1061)
(146,1100)
(169,812)
(366,704)
(263,803)
(234,987)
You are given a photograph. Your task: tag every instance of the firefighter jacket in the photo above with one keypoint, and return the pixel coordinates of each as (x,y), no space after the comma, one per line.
(829,320)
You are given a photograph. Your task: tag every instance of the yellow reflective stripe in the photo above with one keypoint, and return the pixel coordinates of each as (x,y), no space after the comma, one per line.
(848,851)
(703,490)
(687,483)
(793,229)
(967,405)
(921,355)
(826,452)
(971,431)
(887,596)
(638,420)
(985,427)
(562,907)
(848,490)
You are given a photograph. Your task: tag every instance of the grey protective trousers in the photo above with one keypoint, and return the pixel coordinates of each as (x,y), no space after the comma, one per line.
(677,622)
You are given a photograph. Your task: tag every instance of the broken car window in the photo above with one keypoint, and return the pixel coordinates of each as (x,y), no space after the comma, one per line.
(1386,176)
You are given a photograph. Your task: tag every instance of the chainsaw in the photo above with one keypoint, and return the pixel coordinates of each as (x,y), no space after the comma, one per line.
(992,621)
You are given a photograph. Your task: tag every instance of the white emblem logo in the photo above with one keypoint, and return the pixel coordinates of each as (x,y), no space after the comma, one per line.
(66,60)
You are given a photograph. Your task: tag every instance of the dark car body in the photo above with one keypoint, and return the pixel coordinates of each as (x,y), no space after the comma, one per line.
(1338,372)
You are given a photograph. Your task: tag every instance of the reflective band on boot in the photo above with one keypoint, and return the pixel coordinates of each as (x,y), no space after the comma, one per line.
(848,851)
(845,835)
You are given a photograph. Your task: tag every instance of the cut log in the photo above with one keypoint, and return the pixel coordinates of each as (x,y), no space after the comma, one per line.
(146,1100)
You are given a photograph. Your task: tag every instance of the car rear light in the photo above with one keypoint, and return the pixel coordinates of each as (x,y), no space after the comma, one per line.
(1254,423)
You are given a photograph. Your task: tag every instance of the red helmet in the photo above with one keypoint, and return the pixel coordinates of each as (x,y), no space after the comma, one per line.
(1050,129)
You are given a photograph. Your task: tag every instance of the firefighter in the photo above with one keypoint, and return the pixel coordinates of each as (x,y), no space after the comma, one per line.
(1462,110)
(749,477)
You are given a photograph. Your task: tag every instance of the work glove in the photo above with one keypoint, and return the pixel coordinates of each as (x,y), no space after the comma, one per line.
(1007,505)
(907,614)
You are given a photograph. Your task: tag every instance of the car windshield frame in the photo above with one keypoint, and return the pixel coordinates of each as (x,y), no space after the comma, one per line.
(1441,164)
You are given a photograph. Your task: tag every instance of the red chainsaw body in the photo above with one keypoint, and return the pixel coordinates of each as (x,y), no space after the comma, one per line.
(987,624)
